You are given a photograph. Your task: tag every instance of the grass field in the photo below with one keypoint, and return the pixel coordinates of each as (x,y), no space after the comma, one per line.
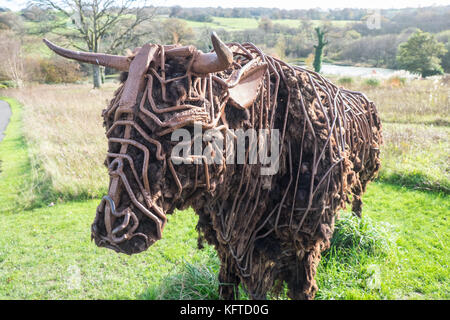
(228,24)
(235,24)
(74,141)
(49,191)
(416,130)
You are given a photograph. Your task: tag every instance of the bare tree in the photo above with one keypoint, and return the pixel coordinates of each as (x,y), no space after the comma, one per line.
(100,25)
(175,31)
(11,57)
(10,21)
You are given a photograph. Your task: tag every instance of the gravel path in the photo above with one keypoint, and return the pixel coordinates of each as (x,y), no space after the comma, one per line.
(5,114)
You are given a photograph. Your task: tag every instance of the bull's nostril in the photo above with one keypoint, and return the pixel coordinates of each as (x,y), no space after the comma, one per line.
(139,243)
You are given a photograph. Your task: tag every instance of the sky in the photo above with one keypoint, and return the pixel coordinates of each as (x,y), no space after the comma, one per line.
(282,4)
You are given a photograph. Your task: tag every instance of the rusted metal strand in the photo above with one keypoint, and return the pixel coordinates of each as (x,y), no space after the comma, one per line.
(315,119)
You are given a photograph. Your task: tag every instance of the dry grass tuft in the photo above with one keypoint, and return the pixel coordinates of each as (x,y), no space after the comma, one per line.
(63,126)
(416,101)
(416,155)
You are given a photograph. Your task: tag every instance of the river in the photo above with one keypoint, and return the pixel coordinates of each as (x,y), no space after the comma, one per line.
(352,71)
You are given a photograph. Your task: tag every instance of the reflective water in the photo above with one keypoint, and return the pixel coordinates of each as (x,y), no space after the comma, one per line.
(352,71)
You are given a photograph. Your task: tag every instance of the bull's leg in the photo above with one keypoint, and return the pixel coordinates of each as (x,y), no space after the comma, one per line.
(228,281)
(365,176)
(357,203)
(358,190)
(302,285)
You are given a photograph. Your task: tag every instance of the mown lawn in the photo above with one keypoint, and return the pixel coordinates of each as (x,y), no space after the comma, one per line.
(46,253)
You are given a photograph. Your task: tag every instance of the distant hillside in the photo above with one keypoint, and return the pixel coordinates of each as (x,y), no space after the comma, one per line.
(287,34)
(430,19)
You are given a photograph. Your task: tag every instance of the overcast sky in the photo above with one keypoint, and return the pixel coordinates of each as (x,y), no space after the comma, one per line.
(282,4)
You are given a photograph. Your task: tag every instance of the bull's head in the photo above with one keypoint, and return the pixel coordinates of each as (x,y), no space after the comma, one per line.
(164,88)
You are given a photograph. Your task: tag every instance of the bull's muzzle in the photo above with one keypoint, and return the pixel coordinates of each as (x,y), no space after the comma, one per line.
(123,227)
(123,236)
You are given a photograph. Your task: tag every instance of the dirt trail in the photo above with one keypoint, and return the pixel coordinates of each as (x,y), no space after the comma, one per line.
(5,114)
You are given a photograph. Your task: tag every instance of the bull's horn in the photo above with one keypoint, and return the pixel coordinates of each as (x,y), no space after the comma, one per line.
(216,61)
(107,60)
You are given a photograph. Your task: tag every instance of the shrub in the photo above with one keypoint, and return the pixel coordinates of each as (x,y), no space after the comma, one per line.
(436,70)
(59,70)
(396,81)
(345,80)
(421,54)
(372,82)
(200,18)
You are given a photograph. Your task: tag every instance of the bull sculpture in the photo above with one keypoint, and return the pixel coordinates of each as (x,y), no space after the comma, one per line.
(268,229)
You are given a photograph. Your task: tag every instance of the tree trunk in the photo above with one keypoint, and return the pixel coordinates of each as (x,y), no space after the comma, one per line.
(319,49)
(318,58)
(96,76)
(102,74)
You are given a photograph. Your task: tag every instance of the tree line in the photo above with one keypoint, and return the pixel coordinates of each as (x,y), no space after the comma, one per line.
(113,26)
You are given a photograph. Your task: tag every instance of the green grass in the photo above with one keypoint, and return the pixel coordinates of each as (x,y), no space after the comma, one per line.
(13,160)
(27,191)
(236,24)
(46,253)
(420,220)
(192,282)
(397,251)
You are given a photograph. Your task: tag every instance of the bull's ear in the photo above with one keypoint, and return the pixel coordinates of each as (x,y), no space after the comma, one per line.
(245,92)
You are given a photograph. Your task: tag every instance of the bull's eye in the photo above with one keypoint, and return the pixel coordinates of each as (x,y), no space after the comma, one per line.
(177,92)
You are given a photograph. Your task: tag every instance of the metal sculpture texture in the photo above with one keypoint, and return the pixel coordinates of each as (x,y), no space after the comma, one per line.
(269,229)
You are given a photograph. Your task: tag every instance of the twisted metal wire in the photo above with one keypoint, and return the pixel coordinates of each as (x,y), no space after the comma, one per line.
(335,127)
(341,132)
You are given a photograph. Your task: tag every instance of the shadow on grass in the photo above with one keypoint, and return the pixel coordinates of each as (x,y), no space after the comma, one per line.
(415,181)
(441,123)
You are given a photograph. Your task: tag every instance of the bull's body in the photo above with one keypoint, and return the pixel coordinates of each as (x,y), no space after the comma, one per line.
(277,229)
(267,229)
